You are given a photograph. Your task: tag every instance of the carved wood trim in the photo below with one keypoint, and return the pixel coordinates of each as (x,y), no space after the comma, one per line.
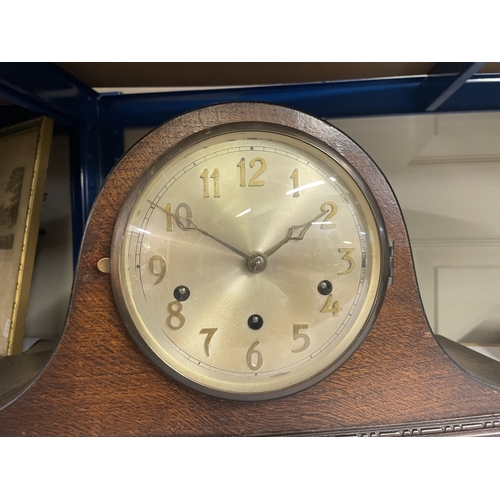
(481,425)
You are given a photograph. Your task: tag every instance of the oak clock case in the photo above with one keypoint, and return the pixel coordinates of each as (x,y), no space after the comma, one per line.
(250,260)
(253,289)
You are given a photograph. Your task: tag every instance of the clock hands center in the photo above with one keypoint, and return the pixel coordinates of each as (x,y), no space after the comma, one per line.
(256,261)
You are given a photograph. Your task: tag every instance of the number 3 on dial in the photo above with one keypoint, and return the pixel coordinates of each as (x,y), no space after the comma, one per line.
(347,257)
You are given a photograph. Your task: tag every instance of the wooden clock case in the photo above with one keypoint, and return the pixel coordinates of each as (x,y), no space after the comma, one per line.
(400,381)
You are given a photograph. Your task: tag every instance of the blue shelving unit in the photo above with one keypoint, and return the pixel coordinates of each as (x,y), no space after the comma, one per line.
(98,120)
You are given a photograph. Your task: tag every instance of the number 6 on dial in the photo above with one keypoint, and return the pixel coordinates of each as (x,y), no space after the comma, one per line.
(254,357)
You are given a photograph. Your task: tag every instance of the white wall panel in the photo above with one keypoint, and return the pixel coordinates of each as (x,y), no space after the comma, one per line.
(445,171)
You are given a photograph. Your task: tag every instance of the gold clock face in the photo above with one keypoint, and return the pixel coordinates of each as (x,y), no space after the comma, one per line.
(249,262)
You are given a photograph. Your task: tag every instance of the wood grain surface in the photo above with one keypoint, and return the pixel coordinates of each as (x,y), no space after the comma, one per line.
(99,383)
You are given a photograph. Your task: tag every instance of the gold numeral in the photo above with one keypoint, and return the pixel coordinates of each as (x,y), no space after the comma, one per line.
(215,177)
(241,166)
(295,178)
(253,180)
(170,226)
(332,307)
(209,332)
(183,215)
(347,257)
(263,166)
(327,224)
(175,313)
(297,334)
(254,357)
(158,266)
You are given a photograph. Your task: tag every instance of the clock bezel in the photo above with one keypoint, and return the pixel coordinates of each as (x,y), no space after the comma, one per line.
(198,135)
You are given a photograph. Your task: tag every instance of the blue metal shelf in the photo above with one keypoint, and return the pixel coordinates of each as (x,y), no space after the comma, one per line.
(98,120)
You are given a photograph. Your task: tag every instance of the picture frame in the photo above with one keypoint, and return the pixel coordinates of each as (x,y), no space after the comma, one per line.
(24,158)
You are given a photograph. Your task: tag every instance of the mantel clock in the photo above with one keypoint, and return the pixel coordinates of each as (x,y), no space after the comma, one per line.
(246,271)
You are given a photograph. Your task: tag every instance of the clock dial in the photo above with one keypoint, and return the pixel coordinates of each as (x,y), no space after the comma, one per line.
(249,262)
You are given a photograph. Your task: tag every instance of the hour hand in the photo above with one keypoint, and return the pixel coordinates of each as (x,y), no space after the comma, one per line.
(187,223)
(295,233)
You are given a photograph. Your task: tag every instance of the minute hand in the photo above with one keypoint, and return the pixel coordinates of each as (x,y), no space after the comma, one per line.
(193,226)
(302,232)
